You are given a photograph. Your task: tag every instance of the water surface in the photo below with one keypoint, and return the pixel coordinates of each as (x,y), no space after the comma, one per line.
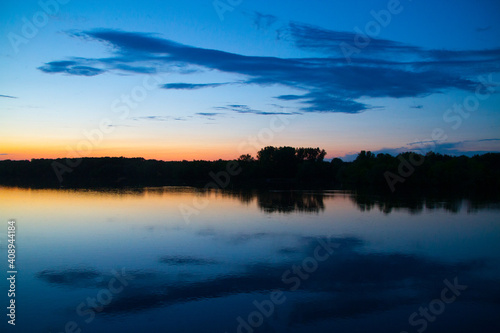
(195,261)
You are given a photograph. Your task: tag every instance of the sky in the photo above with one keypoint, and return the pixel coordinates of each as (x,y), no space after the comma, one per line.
(205,79)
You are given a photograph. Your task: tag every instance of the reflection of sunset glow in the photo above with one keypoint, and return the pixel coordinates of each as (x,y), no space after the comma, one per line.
(110,213)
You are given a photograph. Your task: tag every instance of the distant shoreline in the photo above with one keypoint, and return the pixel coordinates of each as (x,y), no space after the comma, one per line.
(280,169)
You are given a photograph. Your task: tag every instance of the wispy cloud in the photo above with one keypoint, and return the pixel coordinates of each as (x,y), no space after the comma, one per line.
(191,86)
(486,140)
(457,148)
(161,118)
(483,29)
(263,21)
(7,96)
(208,114)
(71,67)
(329,83)
(246,109)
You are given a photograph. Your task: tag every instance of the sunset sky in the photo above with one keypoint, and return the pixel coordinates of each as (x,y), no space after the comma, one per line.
(204,79)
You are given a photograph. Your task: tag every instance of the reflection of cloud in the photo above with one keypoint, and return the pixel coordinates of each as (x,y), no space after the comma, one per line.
(85,277)
(244,238)
(350,283)
(71,277)
(180,260)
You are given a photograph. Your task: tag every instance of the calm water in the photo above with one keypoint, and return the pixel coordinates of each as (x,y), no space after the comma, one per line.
(181,260)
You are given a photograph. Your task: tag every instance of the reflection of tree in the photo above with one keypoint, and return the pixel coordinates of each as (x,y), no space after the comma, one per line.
(366,202)
(309,202)
(474,205)
(313,202)
(245,196)
(283,201)
(415,204)
(288,202)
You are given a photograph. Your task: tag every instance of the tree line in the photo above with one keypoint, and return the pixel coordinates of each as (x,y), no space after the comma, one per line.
(272,167)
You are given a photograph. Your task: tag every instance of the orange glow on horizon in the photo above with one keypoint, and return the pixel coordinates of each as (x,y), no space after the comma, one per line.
(186,151)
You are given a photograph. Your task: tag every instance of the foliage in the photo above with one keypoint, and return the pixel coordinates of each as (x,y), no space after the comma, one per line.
(274,167)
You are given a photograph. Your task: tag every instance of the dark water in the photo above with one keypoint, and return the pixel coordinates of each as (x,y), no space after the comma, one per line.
(181,260)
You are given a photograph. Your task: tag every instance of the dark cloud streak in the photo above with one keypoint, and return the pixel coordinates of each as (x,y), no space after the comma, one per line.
(245,109)
(191,86)
(384,68)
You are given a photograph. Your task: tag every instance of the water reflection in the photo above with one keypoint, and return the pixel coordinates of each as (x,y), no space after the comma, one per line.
(288,202)
(350,283)
(313,201)
(417,203)
(183,260)
(384,258)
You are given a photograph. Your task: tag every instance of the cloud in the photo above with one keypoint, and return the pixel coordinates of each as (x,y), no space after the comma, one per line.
(70,67)
(483,29)
(116,126)
(315,38)
(263,21)
(319,101)
(486,140)
(208,114)
(7,96)
(4,154)
(160,118)
(191,86)
(379,51)
(136,69)
(329,83)
(245,109)
(467,147)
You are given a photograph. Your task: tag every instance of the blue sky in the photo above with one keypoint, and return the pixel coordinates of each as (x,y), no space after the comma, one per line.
(215,79)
